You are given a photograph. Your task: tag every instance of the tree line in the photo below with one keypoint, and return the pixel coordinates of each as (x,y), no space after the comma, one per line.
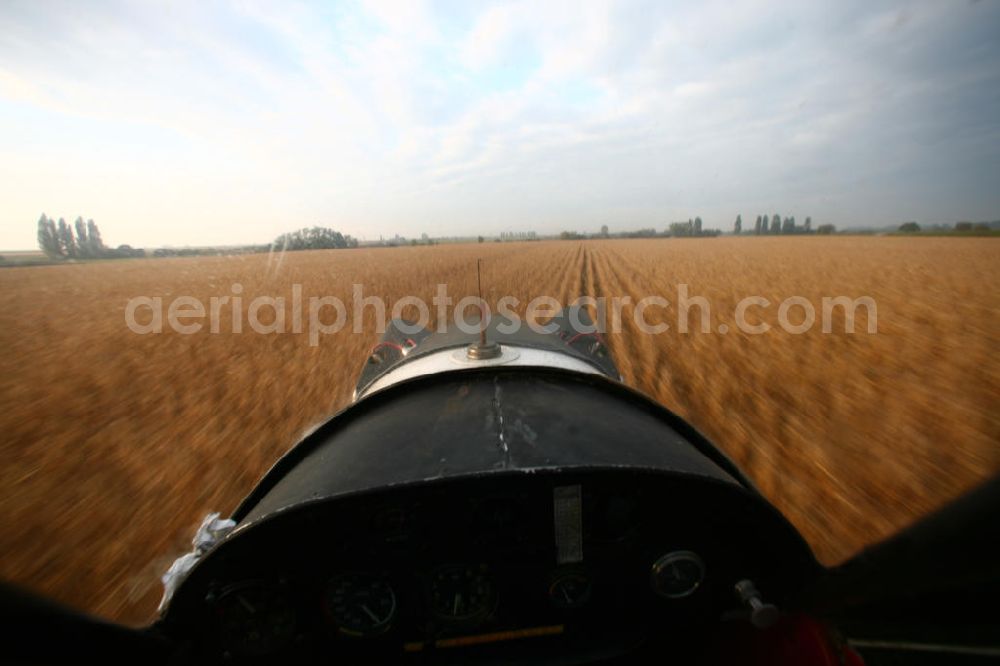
(987,228)
(315,238)
(693,227)
(81,240)
(781,226)
(60,240)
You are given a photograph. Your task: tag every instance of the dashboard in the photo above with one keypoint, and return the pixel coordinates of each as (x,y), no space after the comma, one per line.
(555,566)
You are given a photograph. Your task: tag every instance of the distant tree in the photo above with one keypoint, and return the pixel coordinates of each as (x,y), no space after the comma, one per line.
(82,243)
(826,229)
(48,238)
(756,226)
(963,226)
(697,226)
(909,227)
(315,238)
(94,239)
(67,243)
(125,251)
(642,233)
(776,224)
(604,231)
(681,228)
(788,226)
(481,239)
(738,225)
(807,225)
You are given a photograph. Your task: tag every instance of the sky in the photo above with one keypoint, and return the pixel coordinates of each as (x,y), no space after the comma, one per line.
(202,123)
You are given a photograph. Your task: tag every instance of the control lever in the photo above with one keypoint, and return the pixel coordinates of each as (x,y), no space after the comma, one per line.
(762,615)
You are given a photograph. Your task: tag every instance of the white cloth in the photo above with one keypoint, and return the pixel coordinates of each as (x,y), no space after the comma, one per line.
(212,530)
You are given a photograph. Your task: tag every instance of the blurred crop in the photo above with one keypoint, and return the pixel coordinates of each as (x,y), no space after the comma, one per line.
(115,444)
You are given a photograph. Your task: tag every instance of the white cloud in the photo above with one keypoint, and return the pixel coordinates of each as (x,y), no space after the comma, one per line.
(491,33)
(405,19)
(694,89)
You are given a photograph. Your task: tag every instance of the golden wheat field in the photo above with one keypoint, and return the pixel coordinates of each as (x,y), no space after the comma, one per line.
(116,444)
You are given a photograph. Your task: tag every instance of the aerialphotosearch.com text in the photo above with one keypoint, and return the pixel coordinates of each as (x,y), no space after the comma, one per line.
(318,316)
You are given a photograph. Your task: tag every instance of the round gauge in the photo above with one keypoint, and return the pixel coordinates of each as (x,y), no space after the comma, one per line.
(361,605)
(677,574)
(570,590)
(462,594)
(255,619)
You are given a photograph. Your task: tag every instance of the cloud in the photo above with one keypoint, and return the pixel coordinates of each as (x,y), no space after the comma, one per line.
(693,89)
(483,45)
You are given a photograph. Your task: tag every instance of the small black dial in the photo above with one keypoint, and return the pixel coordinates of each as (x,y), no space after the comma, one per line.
(677,574)
(361,605)
(255,619)
(462,594)
(569,589)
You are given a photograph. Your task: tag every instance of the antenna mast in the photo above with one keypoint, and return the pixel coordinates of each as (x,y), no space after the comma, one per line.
(482,310)
(482,350)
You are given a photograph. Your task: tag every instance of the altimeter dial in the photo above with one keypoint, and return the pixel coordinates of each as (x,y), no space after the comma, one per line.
(255,618)
(361,605)
(462,594)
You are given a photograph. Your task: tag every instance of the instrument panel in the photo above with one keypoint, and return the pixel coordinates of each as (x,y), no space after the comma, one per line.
(474,566)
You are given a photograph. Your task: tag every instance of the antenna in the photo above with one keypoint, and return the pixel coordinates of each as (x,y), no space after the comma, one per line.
(482,311)
(482,350)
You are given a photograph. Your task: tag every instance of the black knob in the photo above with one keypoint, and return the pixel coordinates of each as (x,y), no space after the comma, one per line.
(762,615)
